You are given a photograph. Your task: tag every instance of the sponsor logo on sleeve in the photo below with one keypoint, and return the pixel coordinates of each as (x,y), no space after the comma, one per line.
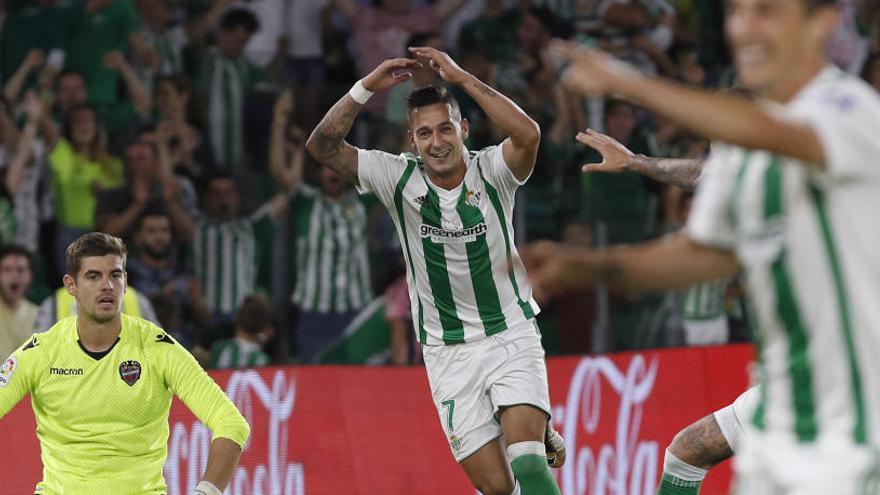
(7,369)
(130,372)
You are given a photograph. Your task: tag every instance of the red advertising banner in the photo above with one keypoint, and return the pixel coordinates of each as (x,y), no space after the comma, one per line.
(374,430)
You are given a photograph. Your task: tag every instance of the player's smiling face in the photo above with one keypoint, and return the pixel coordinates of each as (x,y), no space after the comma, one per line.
(438,135)
(772,39)
(98,287)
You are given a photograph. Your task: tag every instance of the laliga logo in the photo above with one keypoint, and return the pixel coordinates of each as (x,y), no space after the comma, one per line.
(630,465)
(273,475)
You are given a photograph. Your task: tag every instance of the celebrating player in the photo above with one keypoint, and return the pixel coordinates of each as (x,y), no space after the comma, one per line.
(101,384)
(714,438)
(789,194)
(453,208)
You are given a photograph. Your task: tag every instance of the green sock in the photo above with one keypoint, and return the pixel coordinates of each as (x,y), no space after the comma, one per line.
(670,485)
(533,475)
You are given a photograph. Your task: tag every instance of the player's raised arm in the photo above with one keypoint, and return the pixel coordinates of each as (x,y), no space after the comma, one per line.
(521,146)
(681,172)
(729,118)
(327,143)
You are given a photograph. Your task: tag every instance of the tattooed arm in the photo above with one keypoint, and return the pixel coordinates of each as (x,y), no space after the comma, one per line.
(327,143)
(683,172)
(521,146)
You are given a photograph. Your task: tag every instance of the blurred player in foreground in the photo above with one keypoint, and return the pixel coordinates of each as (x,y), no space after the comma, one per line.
(714,438)
(453,208)
(101,384)
(789,194)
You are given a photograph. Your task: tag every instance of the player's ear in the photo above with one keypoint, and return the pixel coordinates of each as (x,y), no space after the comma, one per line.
(410,139)
(465,128)
(69,283)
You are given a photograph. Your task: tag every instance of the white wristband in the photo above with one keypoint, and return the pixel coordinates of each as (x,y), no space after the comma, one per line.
(206,488)
(359,93)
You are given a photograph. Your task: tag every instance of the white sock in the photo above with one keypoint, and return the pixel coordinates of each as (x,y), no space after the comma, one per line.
(522,448)
(682,470)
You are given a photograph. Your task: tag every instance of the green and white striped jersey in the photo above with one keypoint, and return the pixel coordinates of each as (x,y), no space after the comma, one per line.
(226,258)
(705,301)
(332,262)
(807,241)
(456,244)
(237,353)
(226,82)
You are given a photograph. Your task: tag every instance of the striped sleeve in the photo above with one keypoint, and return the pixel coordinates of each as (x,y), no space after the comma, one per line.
(207,401)
(379,172)
(709,221)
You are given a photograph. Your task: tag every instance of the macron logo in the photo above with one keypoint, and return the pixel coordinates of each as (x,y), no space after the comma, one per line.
(66,371)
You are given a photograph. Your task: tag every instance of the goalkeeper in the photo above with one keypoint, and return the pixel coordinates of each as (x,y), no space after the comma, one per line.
(101,384)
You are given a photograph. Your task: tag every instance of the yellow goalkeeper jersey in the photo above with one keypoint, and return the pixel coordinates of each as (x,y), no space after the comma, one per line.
(103,423)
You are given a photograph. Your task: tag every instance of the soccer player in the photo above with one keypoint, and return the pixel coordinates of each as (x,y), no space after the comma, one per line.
(789,194)
(714,438)
(453,208)
(101,385)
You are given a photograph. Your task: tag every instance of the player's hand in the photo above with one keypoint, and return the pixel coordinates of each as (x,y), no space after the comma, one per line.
(592,72)
(615,156)
(441,63)
(556,268)
(389,73)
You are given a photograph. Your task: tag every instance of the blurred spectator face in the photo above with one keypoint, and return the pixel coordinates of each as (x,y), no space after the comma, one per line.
(71,91)
(15,278)
(439,137)
(221,199)
(396,5)
(140,160)
(691,71)
(531,33)
(769,38)
(620,121)
(84,127)
(153,237)
(231,42)
(332,183)
(169,99)
(156,13)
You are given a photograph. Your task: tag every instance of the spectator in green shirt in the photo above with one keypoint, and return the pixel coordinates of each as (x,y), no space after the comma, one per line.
(253,328)
(81,166)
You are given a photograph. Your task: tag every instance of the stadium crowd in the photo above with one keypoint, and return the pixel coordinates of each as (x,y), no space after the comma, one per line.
(180,126)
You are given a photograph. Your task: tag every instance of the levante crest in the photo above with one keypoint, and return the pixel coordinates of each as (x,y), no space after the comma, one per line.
(130,372)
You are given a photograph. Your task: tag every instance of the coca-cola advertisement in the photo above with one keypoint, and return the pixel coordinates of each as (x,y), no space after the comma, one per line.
(374,430)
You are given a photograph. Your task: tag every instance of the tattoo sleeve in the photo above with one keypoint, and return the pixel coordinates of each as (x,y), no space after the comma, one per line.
(684,173)
(327,143)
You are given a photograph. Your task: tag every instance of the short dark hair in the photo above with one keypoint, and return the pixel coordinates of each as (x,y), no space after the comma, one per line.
(254,314)
(240,18)
(420,38)
(432,95)
(92,244)
(16,250)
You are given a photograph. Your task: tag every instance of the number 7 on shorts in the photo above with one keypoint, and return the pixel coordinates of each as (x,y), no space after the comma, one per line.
(451,405)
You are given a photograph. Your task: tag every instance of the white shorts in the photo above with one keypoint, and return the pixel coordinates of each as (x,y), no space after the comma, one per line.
(731,418)
(770,465)
(470,382)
